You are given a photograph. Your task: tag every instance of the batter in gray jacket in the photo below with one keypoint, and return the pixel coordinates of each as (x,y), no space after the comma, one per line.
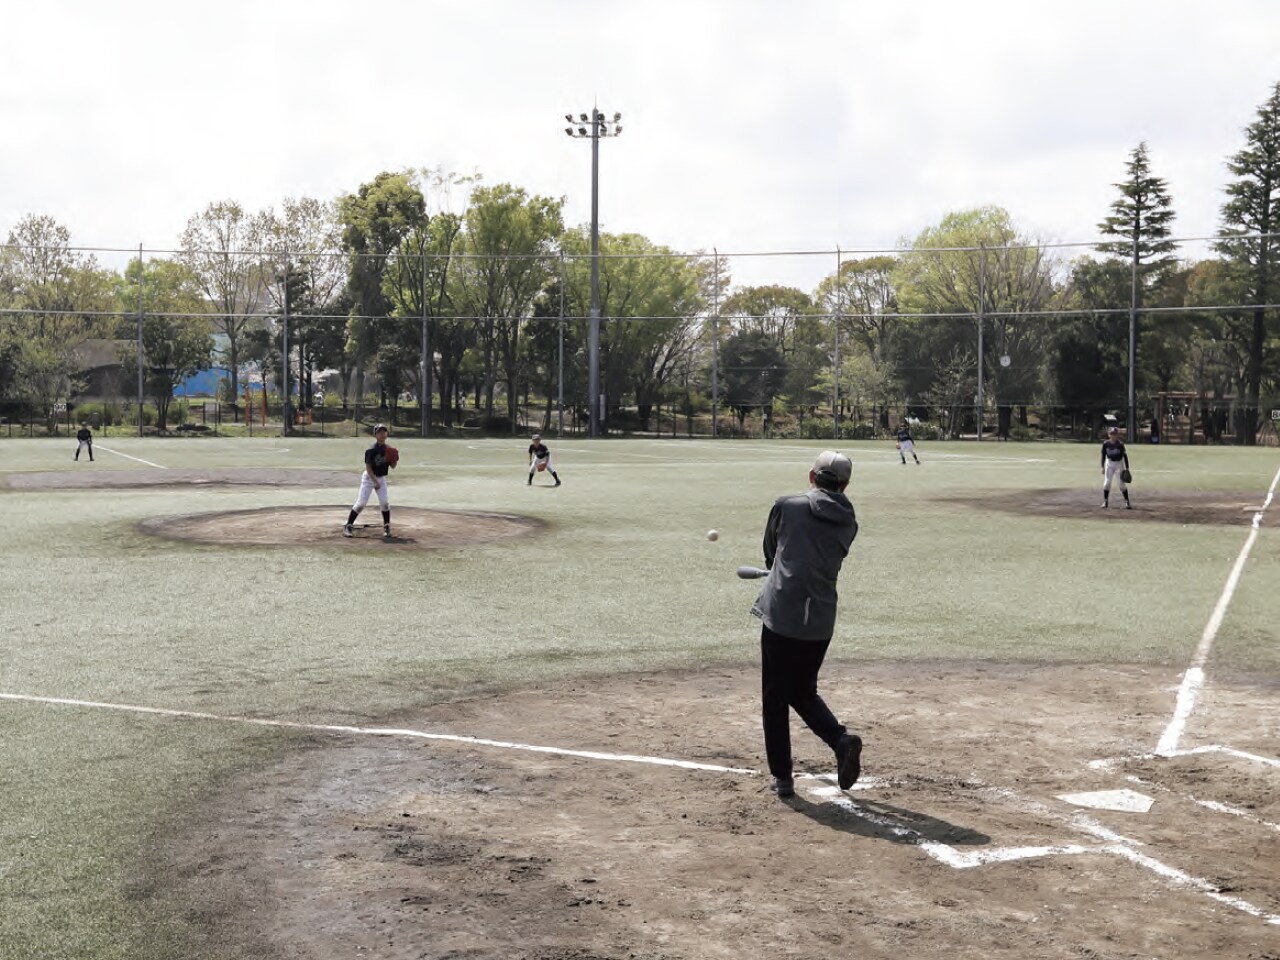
(806,540)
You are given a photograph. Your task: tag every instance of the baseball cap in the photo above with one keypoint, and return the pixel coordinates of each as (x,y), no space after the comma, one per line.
(833,467)
(536,436)
(379,426)
(1114,430)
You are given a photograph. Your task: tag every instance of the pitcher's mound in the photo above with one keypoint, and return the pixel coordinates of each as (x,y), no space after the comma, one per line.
(313,526)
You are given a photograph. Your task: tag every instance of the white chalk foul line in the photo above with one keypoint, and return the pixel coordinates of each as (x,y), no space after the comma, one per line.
(379,732)
(128,457)
(1213,805)
(1193,679)
(1110,763)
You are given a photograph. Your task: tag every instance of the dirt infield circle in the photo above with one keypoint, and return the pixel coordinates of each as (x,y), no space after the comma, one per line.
(1214,507)
(322,526)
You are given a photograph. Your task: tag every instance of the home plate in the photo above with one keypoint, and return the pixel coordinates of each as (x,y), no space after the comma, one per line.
(1127,801)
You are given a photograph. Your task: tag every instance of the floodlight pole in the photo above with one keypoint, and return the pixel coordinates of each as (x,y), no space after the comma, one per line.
(835,357)
(560,369)
(982,307)
(285,424)
(1131,421)
(600,127)
(715,347)
(140,350)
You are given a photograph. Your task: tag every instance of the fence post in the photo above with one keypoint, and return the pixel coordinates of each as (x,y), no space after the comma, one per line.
(715,349)
(141,355)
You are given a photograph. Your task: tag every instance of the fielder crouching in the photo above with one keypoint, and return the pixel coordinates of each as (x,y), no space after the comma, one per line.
(1115,463)
(378,459)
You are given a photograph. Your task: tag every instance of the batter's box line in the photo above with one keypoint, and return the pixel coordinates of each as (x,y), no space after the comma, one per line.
(1119,846)
(1213,805)
(1110,763)
(1112,844)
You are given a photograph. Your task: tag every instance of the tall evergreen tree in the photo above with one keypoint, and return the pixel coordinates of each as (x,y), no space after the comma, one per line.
(1252,211)
(1142,215)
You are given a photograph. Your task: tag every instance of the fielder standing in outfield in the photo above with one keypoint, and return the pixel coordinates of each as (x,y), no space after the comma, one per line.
(806,540)
(540,458)
(84,436)
(1115,460)
(906,444)
(378,459)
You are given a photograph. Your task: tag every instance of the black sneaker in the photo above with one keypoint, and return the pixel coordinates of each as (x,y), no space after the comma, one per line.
(848,760)
(530,483)
(347,531)
(784,788)
(557,481)
(386,531)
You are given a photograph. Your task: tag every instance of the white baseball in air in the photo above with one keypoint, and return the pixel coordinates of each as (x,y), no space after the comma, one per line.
(713,535)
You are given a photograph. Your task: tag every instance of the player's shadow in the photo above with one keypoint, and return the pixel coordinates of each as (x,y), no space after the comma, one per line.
(883,821)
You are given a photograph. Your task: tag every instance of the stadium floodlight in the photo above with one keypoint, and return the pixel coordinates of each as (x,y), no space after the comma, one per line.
(569,131)
(582,117)
(569,117)
(600,127)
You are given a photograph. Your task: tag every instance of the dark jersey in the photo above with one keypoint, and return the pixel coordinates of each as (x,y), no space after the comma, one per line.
(376,457)
(904,434)
(539,450)
(1114,450)
(84,436)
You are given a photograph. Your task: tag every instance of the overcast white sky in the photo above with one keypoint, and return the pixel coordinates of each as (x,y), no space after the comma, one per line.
(749,125)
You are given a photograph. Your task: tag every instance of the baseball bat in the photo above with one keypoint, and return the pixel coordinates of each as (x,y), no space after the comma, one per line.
(752,573)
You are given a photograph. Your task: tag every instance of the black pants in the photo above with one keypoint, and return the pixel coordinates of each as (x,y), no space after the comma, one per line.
(789,675)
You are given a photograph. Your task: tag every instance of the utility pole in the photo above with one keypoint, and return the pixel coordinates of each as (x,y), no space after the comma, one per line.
(594,127)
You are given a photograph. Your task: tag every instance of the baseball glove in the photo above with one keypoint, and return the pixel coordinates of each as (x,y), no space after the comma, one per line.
(1126,476)
(393,456)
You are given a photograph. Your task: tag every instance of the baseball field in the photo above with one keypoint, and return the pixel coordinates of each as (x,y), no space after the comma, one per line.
(526,726)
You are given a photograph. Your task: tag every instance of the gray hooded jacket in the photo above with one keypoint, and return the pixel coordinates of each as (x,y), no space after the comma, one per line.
(806,540)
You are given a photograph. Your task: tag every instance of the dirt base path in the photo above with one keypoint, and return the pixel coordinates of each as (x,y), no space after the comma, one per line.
(394,848)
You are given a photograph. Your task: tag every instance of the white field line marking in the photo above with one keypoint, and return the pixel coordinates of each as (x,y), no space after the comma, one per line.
(1110,763)
(941,852)
(1123,847)
(128,457)
(1213,805)
(1193,679)
(381,732)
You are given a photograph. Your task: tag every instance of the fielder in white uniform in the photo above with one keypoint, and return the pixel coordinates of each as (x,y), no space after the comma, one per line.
(906,444)
(374,478)
(1114,460)
(540,459)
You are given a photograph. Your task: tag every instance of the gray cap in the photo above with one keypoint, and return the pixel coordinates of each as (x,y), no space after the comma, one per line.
(379,427)
(833,467)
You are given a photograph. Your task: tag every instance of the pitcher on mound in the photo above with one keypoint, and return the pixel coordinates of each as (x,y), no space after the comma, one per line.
(378,459)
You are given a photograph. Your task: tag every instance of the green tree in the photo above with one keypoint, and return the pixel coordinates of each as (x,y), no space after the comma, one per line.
(175,344)
(1252,211)
(651,299)
(375,220)
(60,299)
(864,297)
(976,260)
(510,238)
(222,248)
(754,372)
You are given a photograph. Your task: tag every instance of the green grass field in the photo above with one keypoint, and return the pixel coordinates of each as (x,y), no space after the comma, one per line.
(621,578)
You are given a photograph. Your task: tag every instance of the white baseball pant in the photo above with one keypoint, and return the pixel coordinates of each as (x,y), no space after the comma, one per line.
(1113,469)
(367,487)
(533,467)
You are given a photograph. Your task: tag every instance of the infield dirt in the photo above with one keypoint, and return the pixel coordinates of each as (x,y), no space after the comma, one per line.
(395,848)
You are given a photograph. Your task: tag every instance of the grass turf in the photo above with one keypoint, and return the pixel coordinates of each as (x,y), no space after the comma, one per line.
(621,578)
